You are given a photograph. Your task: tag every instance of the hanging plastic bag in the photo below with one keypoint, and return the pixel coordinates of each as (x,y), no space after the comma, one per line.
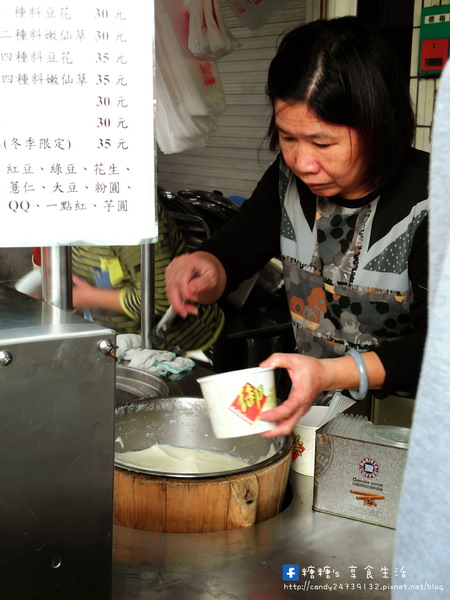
(204,73)
(231,43)
(171,59)
(209,38)
(174,131)
(177,98)
(255,13)
(198,42)
(218,45)
(188,91)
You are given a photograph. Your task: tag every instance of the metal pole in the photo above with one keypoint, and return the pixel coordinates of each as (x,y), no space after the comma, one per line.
(147,293)
(57,276)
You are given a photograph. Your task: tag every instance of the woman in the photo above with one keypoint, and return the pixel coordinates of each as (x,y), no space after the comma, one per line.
(345,205)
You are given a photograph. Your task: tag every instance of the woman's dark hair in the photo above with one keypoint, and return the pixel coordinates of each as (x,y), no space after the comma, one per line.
(347,74)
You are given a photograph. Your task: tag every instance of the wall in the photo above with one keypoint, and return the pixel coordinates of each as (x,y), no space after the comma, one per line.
(423,90)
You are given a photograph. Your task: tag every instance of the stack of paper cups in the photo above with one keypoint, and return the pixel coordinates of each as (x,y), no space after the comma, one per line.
(304,449)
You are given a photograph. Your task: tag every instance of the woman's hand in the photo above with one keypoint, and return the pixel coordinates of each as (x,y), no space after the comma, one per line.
(309,378)
(194,278)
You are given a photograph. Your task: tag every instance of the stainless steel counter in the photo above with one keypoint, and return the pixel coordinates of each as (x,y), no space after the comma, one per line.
(346,558)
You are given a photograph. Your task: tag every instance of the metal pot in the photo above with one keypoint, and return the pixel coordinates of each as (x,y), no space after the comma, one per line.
(261,285)
(184,422)
(270,279)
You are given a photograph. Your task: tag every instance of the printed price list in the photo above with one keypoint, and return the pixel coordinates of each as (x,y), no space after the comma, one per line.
(77,152)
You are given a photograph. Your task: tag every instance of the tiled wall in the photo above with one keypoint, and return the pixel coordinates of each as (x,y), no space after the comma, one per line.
(423,89)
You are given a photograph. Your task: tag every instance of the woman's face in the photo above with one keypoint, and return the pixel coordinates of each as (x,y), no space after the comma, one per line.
(326,157)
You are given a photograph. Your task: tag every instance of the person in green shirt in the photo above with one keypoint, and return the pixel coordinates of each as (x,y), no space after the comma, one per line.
(107,286)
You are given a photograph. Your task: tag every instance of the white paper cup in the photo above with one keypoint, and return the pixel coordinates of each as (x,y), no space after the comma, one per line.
(237,399)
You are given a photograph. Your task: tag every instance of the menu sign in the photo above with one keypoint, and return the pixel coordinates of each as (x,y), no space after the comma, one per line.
(77,151)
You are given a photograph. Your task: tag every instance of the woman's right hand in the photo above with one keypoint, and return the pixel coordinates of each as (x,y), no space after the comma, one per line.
(191,279)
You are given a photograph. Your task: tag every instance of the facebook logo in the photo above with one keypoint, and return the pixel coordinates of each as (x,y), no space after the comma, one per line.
(290,573)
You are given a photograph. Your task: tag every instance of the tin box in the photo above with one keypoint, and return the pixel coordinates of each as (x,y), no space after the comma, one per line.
(361,478)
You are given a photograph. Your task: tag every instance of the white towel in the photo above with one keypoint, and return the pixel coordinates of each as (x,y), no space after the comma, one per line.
(125,342)
(159,362)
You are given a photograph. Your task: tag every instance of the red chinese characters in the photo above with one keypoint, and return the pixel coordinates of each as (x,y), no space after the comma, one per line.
(249,403)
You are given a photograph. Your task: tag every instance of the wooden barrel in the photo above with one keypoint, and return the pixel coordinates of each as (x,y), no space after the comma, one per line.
(176,505)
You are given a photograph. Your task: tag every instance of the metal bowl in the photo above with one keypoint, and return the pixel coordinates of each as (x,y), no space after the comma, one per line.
(184,422)
(132,385)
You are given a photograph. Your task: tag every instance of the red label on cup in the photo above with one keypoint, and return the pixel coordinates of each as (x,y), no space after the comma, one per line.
(249,402)
(297,448)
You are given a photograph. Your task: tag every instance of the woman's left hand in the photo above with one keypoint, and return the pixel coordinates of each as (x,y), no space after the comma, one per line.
(308,377)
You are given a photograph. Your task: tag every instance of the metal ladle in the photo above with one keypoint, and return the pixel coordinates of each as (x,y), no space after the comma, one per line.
(158,336)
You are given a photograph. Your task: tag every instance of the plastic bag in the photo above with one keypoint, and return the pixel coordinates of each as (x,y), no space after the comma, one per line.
(218,44)
(230,41)
(188,91)
(208,38)
(198,42)
(255,13)
(174,131)
(203,74)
